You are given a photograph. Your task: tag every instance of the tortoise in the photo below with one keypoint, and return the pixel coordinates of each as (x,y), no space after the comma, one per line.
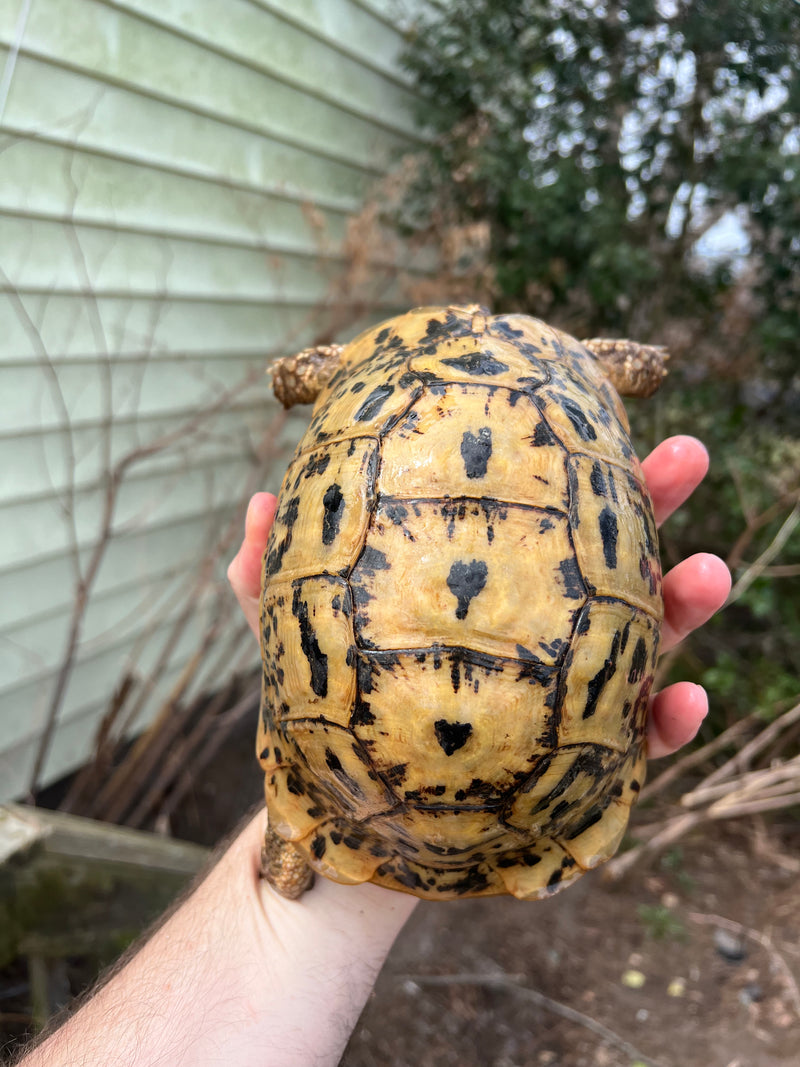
(460,609)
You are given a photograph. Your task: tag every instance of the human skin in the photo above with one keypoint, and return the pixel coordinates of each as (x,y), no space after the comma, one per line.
(239,975)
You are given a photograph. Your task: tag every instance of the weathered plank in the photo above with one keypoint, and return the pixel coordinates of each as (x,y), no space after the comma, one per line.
(70,885)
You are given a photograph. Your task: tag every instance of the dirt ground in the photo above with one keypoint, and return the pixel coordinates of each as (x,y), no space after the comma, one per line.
(693,961)
(640,960)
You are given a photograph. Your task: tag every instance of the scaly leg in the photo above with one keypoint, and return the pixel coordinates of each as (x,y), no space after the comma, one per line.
(298,379)
(284,866)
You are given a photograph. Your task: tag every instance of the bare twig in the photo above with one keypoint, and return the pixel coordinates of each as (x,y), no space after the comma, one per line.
(783,777)
(778,962)
(759,743)
(756,569)
(222,727)
(754,523)
(728,792)
(513,983)
(173,758)
(696,757)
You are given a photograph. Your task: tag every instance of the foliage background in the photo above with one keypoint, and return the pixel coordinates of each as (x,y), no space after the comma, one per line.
(632,170)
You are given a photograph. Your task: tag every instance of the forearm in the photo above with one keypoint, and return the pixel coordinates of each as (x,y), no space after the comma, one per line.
(239,975)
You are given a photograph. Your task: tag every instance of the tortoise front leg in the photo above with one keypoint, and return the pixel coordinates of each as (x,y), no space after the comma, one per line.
(298,379)
(284,866)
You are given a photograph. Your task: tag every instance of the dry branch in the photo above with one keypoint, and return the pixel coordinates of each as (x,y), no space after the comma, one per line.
(756,569)
(731,791)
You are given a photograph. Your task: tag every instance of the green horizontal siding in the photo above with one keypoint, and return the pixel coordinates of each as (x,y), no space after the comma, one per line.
(176,179)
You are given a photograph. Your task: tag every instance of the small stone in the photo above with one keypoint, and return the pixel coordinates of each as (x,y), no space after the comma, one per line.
(642,1015)
(410,987)
(751,994)
(729,946)
(633,979)
(670,900)
(677,987)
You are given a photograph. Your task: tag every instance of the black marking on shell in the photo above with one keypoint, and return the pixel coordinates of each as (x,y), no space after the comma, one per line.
(597,481)
(294,783)
(577,416)
(543,436)
(364,674)
(476,451)
(596,685)
(465,581)
(317,660)
(479,364)
(395,775)
(584,621)
(451,735)
(500,325)
(473,881)
(396,514)
(287,518)
(333,505)
(372,559)
(402,873)
(318,846)
(609,532)
(574,586)
(558,874)
(317,464)
(361,714)
(638,662)
(341,775)
(373,403)
(589,818)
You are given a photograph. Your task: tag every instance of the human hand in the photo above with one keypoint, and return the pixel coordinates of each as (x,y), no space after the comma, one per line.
(693,590)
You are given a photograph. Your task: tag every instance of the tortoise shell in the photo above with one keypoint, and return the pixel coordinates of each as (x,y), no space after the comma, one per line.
(460,613)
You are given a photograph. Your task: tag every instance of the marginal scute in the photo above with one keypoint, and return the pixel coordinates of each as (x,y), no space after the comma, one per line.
(554,870)
(460,614)
(602,831)
(344,852)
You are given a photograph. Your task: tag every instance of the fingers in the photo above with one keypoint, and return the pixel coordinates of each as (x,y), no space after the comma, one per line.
(244,572)
(693,591)
(674,718)
(673,470)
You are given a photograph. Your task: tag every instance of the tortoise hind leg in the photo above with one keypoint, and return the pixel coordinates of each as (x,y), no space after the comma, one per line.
(284,866)
(298,379)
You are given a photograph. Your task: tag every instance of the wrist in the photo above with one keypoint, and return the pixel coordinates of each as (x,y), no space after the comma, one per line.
(319,955)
